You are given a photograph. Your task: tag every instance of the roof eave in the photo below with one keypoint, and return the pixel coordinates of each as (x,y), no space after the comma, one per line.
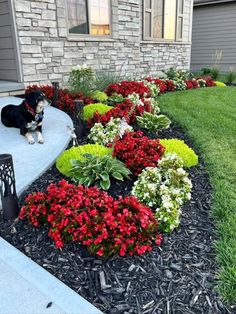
(212,2)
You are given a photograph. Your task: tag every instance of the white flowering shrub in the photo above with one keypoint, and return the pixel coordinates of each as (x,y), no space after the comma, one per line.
(135,98)
(201,82)
(179,84)
(105,135)
(164,188)
(154,89)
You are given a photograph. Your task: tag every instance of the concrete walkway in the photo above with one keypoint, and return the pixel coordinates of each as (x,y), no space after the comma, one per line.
(25,287)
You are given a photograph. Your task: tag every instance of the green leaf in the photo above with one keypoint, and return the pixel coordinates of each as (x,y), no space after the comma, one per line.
(105,185)
(104,176)
(117,176)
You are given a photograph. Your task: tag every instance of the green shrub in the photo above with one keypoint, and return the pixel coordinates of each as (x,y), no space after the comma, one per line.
(90,110)
(81,80)
(230,77)
(64,164)
(206,71)
(182,150)
(164,188)
(97,170)
(153,122)
(215,73)
(220,84)
(99,96)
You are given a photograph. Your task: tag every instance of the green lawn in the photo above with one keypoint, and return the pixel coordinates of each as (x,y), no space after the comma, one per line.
(208,116)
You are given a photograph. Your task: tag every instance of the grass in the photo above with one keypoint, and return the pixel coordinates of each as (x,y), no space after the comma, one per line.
(208,116)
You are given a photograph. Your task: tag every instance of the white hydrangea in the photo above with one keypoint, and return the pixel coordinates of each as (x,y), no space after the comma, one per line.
(164,188)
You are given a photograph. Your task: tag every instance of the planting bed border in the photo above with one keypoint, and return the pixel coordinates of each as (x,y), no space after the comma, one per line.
(177,277)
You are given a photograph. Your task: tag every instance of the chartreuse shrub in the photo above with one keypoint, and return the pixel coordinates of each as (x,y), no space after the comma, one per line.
(90,110)
(64,162)
(164,188)
(153,122)
(220,84)
(91,217)
(181,149)
(99,96)
(97,170)
(105,135)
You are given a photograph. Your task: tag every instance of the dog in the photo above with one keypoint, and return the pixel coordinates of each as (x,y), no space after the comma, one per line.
(28,116)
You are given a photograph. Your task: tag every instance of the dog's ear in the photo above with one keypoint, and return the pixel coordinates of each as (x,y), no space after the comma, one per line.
(32,99)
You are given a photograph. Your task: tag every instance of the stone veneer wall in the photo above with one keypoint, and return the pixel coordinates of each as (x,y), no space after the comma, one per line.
(48,52)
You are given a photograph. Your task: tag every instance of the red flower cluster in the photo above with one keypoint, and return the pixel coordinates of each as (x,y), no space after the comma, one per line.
(127,88)
(121,110)
(138,151)
(190,84)
(93,218)
(209,81)
(65,98)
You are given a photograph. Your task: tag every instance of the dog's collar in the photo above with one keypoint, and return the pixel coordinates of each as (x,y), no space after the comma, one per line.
(29,109)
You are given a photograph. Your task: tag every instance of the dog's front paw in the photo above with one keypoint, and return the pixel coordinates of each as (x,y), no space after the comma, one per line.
(31,141)
(40,138)
(29,138)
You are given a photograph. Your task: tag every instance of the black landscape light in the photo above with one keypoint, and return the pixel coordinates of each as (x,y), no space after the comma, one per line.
(77,118)
(55,93)
(8,188)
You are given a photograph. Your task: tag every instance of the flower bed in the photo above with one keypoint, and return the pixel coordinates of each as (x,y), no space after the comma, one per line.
(91,223)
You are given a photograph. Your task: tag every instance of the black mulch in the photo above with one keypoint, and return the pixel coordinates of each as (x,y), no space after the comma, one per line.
(177,277)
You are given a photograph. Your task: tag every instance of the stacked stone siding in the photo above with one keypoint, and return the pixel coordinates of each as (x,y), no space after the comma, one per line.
(48,52)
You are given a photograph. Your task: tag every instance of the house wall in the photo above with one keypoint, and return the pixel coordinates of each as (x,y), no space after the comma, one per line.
(214,29)
(8,63)
(48,53)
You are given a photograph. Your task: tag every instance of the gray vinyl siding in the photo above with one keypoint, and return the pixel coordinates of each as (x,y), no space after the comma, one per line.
(214,29)
(8,63)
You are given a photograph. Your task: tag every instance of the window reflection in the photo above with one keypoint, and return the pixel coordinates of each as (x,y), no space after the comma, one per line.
(77,16)
(170,19)
(89,16)
(100,17)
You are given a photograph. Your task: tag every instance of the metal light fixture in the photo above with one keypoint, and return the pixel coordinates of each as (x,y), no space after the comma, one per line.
(55,93)
(8,188)
(77,118)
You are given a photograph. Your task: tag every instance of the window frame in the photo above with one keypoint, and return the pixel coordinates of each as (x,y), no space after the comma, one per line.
(89,36)
(177,15)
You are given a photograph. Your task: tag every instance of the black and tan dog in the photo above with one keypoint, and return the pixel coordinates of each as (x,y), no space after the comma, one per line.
(28,116)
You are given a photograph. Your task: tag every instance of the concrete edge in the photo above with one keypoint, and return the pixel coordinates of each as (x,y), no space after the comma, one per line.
(70,122)
(60,294)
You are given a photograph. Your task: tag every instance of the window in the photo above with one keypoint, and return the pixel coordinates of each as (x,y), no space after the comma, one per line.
(89,17)
(163,19)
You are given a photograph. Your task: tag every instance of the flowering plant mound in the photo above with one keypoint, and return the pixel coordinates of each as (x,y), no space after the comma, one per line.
(105,135)
(99,108)
(66,100)
(93,218)
(164,188)
(122,110)
(158,82)
(190,84)
(127,88)
(138,151)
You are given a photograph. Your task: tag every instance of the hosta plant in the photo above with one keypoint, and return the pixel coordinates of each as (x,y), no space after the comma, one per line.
(95,170)
(92,218)
(90,110)
(164,188)
(181,149)
(105,135)
(153,122)
(64,161)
